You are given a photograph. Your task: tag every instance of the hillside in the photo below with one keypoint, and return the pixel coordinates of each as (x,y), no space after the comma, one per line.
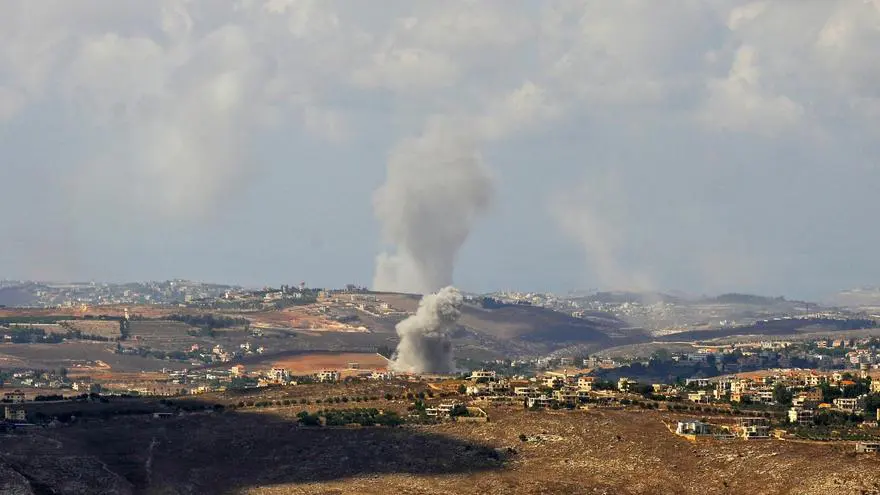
(627,452)
(16,296)
(776,328)
(530,327)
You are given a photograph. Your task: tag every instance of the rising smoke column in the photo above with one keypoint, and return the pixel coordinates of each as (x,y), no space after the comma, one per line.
(425,346)
(436,187)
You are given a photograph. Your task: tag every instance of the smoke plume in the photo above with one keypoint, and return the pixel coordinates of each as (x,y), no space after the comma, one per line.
(425,346)
(436,187)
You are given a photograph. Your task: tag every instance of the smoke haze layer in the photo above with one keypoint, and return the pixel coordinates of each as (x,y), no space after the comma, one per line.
(425,346)
(437,185)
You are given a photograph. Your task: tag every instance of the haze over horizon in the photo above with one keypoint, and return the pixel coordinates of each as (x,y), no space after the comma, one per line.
(707,147)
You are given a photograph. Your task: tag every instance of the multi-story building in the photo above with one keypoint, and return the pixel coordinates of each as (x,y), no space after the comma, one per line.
(753,428)
(525,391)
(539,401)
(15,414)
(279,375)
(850,405)
(586,383)
(328,376)
(806,396)
(16,397)
(625,384)
(483,374)
(801,416)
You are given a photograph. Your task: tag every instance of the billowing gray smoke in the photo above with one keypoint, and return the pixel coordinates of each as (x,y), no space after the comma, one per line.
(437,185)
(425,346)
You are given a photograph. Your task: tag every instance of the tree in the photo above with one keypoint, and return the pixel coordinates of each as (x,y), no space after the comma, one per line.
(462,389)
(872,403)
(661,355)
(782,395)
(523,437)
(307,419)
(459,410)
(710,360)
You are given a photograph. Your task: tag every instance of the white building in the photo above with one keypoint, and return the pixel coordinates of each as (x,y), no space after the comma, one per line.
(279,375)
(624,384)
(540,401)
(328,376)
(850,405)
(692,428)
(16,397)
(585,383)
(444,410)
(15,414)
(525,391)
(484,374)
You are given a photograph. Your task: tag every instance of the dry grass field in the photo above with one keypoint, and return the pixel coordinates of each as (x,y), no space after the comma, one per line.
(313,363)
(263,452)
(78,356)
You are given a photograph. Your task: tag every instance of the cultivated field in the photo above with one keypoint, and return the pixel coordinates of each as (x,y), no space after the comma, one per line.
(163,335)
(106,329)
(312,363)
(77,357)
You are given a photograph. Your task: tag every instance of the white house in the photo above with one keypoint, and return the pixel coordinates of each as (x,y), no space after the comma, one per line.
(328,376)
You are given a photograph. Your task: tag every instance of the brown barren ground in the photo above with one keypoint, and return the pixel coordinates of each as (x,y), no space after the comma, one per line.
(313,363)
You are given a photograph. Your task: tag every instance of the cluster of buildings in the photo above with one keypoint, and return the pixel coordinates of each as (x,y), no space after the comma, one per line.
(75,295)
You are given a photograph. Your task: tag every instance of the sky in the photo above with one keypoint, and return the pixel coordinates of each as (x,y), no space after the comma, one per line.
(704,146)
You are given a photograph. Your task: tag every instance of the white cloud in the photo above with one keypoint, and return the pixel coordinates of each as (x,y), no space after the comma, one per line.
(740,103)
(174,92)
(408,70)
(524,108)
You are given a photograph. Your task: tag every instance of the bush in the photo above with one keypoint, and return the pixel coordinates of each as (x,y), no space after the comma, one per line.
(308,419)
(523,437)
(302,401)
(388,396)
